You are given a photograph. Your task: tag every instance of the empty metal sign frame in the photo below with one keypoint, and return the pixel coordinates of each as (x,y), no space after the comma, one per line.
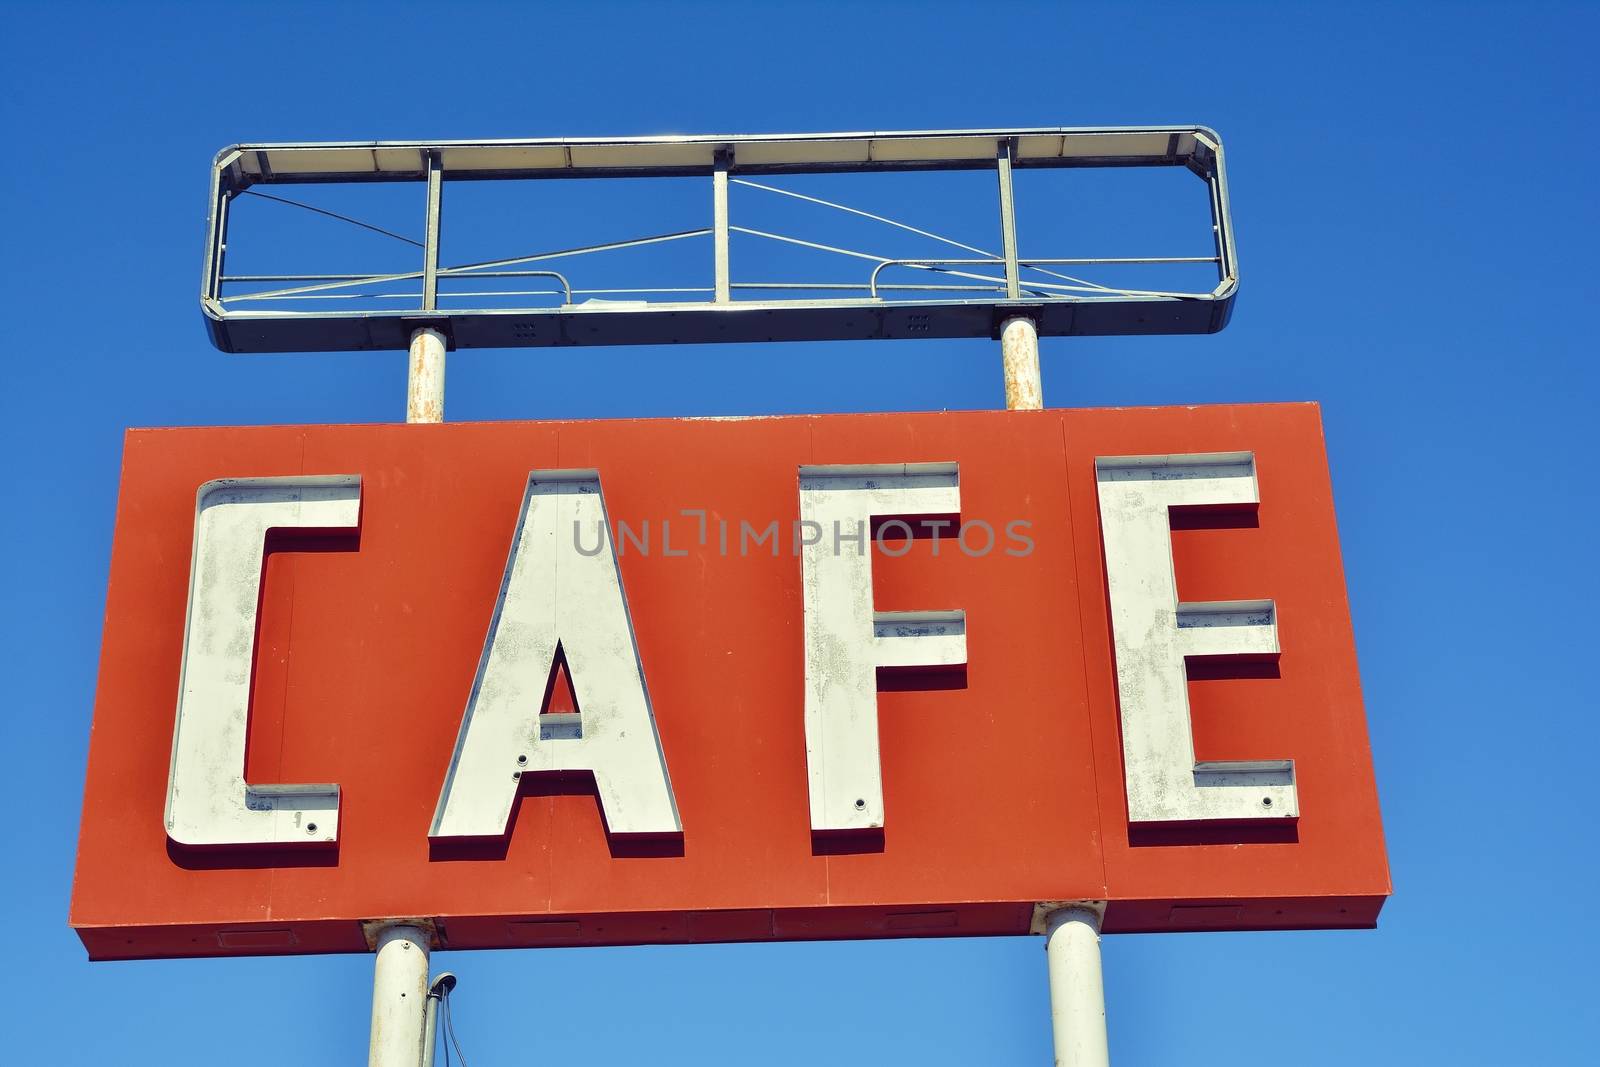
(967,295)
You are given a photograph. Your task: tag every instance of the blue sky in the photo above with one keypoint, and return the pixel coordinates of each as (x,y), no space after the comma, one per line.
(1413,191)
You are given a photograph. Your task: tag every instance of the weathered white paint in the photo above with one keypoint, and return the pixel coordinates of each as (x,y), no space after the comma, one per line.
(1077,987)
(552,594)
(1153,634)
(399,997)
(846,640)
(425,376)
(1019,352)
(208,800)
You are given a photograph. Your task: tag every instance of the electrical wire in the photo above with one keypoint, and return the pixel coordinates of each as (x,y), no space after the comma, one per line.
(334,215)
(450,1032)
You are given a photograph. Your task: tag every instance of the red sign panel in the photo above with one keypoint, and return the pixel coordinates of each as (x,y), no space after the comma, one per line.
(889,675)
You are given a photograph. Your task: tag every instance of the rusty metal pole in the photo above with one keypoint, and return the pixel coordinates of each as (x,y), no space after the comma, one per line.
(1019,351)
(399,997)
(425,379)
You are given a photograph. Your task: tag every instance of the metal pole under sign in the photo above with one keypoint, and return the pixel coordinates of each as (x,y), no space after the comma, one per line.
(399,997)
(1077,988)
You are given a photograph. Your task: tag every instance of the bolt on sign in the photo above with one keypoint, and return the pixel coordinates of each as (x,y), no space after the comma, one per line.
(689,680)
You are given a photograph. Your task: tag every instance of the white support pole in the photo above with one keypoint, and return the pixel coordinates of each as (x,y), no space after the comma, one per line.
(719,225)
(425,378)
(1019,351)
(1077,991)
(399,997)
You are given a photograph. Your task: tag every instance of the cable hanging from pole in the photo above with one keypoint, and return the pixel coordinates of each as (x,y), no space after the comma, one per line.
(450,1032)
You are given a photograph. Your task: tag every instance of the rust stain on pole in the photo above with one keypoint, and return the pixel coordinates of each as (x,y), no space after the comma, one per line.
(1019,350)
(425,378)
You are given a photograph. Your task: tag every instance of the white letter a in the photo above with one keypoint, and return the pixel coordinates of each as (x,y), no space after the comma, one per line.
(558,592)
